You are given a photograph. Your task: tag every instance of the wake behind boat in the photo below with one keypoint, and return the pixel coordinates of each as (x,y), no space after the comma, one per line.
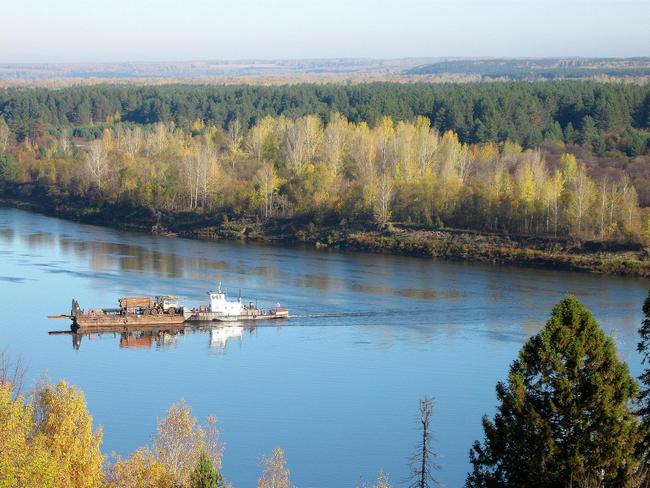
(220,309)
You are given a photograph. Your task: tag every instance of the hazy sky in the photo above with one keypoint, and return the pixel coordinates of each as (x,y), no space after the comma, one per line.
(168,30)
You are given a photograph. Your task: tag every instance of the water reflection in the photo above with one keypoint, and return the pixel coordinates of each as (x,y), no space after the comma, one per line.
(218,337)
(360,325)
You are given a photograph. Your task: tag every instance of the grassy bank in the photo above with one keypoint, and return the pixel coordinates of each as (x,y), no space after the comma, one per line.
(591,256)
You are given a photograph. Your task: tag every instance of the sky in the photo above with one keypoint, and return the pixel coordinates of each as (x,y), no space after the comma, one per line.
(173,30)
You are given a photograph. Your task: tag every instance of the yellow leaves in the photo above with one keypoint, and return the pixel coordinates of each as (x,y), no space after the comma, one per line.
(511,149)
(114,118)
(558,183)
(140,470)
(569,167)
(275,473)
(49,443)
(63,419)
(488,152)
(176,450)
(197,126)
(450,138)
(15,427)
(526,184)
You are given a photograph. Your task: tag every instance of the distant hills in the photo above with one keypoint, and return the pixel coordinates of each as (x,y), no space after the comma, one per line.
(309,70)
(545,68)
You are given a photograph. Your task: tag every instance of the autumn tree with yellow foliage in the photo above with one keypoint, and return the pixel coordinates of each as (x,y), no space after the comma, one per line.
(48,442)
(175,452)
(325,170)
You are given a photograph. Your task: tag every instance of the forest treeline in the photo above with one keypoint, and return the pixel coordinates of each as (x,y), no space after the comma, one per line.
(544,68)
(332,173)
(569,414)
(606,116)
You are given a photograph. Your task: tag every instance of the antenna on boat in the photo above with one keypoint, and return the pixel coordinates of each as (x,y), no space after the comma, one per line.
(240,295)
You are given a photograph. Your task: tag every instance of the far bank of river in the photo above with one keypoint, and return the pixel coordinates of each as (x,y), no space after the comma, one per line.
(629,259)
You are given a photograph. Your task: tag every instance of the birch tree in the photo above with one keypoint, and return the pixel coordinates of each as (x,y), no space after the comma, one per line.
(275,473)
(335,142)
(582,198)
(267,179)
(97,161)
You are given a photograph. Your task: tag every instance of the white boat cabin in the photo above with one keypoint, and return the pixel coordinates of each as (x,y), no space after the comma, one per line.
(220,305)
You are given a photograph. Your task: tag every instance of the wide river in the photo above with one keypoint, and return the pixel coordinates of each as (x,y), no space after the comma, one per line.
(336,386)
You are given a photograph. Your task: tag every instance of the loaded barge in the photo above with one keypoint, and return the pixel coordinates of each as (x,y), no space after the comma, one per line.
(132,311)
(139,312)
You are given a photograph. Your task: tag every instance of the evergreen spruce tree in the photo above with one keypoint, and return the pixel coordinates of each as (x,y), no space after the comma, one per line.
(644,394)
(563,418)
(205,474)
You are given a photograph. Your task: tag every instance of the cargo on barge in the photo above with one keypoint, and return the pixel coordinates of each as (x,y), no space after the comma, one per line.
(132,311)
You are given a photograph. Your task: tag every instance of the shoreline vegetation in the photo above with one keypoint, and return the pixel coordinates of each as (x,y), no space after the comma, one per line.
(393,238)
(553,174)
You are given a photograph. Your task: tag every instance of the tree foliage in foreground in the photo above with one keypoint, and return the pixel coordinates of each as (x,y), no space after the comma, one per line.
(176,450)
(644,395)
(563,417)
(422,462)
(48,442)
(275,473)
(205,475)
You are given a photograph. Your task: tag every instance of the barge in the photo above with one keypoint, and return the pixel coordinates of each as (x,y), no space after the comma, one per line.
(220,309)
(165,311)
(132,312)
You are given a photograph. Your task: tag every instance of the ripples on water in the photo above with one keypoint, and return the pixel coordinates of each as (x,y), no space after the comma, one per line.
(336,385)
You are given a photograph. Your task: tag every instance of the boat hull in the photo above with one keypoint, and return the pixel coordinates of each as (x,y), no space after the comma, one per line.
(128,320)
(206,316)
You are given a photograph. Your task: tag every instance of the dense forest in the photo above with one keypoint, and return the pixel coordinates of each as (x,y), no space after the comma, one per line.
(605,116)
(500,157)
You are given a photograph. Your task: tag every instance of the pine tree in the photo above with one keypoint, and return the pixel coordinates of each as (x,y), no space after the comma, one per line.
(205,474)
(644,395)
(563,417)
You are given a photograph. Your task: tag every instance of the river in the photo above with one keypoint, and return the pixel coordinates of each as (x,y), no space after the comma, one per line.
(337,386)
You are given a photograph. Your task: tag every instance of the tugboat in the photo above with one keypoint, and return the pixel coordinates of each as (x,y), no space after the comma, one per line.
(220,309)
(132,312)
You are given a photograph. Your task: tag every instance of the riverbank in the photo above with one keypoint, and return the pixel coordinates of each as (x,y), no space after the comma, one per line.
(460,245)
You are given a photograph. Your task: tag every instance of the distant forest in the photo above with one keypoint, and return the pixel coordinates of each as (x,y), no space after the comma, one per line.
(604,116)
(548,68)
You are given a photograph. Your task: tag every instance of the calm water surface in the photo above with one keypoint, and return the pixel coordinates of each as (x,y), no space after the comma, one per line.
(337,387)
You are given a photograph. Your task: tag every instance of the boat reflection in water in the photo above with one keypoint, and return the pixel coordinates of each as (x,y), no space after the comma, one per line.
(219,336)
(159,338)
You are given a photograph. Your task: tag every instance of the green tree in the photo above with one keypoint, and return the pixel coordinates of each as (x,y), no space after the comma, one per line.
(563,417)
(8,168)
(569,134)
(205,475)
(644,394)
(554,132)
(633,143)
